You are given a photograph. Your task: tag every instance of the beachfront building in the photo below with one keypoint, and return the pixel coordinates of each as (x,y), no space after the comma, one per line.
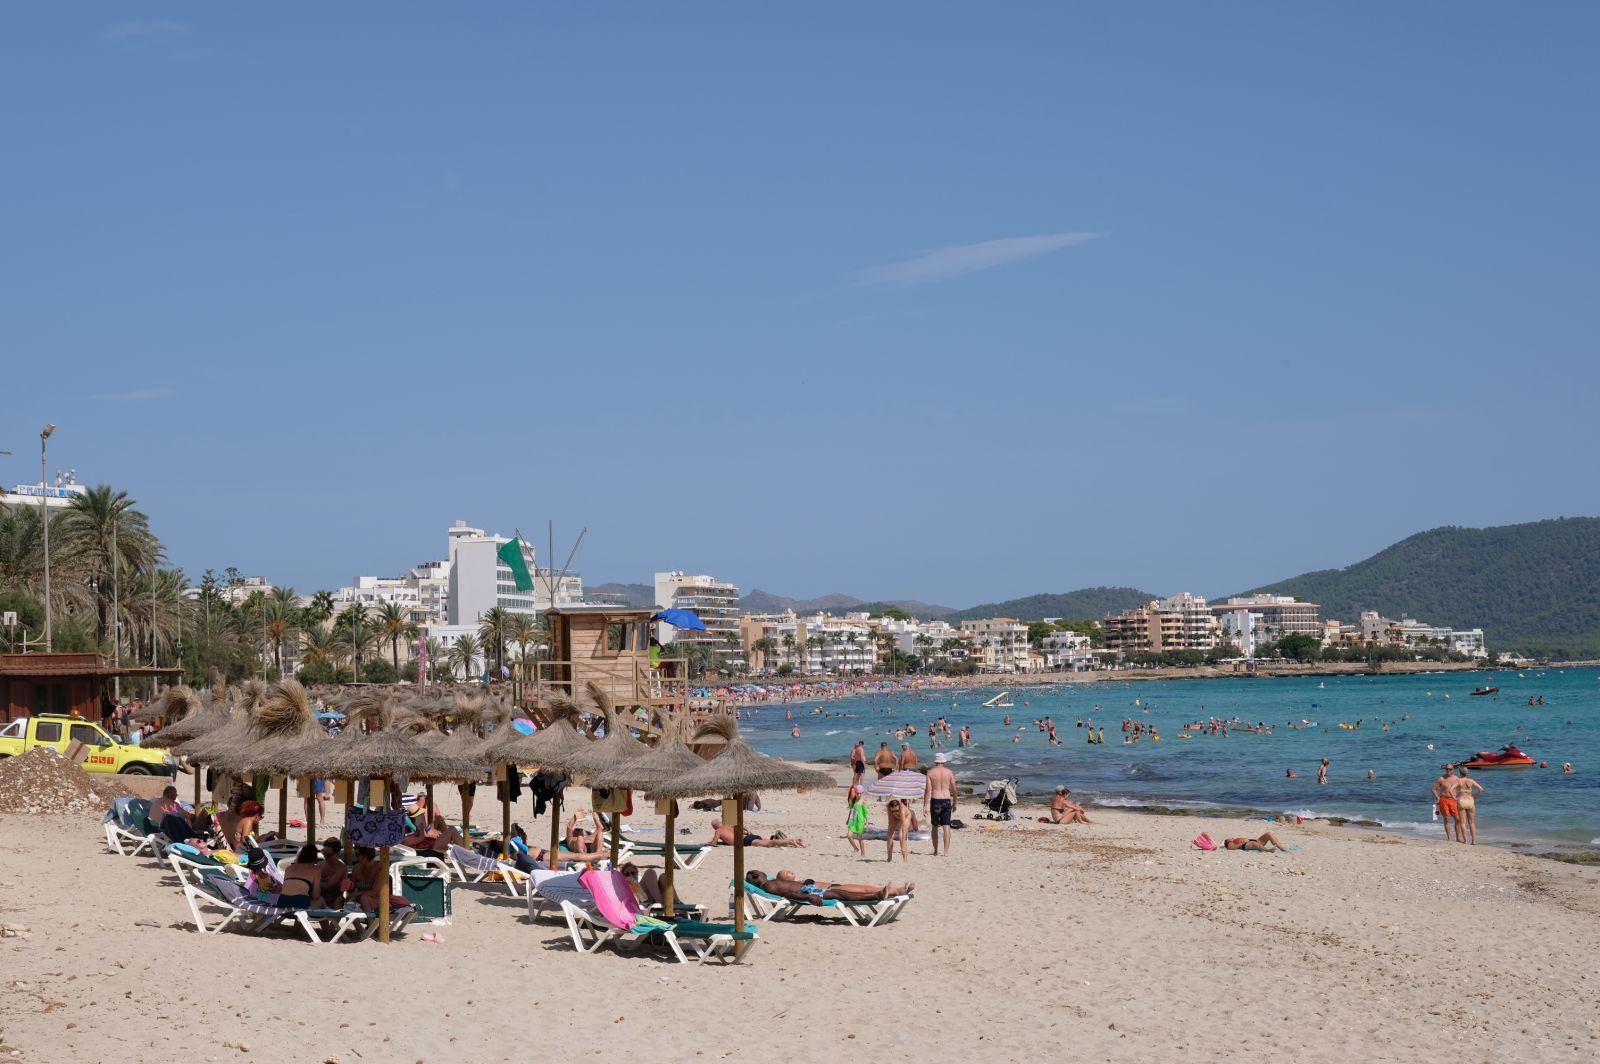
(1240,627)
(715,602)
(1180,622)
(817,644)
(1067,652)
(57,496)
(998,644)
(1274,616)
(479,580)
(1409,632)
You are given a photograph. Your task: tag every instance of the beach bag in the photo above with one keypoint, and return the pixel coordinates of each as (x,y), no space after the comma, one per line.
(1204,841)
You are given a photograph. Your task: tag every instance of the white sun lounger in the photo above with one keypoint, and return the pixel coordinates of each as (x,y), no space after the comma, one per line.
(765,905)
(252,915)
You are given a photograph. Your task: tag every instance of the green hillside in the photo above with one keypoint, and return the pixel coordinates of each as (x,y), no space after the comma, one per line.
(1085,604)
(1532,588)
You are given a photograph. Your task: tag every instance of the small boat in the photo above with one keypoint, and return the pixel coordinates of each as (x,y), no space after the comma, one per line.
(1508,757)
(1486,691)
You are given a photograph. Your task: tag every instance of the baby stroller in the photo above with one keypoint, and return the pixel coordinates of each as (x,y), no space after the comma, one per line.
(999,799)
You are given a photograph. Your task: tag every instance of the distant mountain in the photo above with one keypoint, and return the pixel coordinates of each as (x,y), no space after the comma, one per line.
(923,611)
(1085,604)
(758,601)
(1532,588)
(635,596)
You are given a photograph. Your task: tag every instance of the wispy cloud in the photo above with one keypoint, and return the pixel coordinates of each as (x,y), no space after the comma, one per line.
(144,29)
(942,264)
(136,395)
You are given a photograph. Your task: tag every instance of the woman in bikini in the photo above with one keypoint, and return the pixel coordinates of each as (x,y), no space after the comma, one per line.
(1467,790)
(815,891)
(302,879)
(1266,842)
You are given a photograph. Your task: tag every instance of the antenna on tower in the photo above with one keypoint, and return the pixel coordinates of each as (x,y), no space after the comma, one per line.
(553,579)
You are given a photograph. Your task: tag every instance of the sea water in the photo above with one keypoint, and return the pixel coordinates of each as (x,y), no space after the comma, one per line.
(1432,719)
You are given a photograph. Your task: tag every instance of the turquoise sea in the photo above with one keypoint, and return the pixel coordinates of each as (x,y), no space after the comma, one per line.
(1432,719)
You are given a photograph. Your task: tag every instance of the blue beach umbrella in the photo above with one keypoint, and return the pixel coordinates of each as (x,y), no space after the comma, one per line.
(685,619)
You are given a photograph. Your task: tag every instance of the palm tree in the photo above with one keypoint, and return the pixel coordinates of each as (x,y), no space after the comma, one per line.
(924,644)
(763,646)
(110,539)
(394,620)
(280,624)
(356,634)
(788,647)
(526,632)
(464,655)
(438,653)
(495,628)
(320,644)
(320,607)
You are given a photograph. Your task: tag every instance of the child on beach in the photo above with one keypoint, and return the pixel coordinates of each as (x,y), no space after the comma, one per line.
(857,824)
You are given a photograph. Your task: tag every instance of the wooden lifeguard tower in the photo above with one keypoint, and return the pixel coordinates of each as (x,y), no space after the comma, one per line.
(608,646)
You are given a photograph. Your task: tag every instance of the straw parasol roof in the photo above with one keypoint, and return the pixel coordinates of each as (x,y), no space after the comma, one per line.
(283,719)
(201,717)
(552,747)
(613,750)
(670,759)
(383,752)
(738,770)
(174,704)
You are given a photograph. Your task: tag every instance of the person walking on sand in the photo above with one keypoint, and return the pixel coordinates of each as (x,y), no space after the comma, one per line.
(908,758)
(899,824)
(939,801)
(1467,789)
(884,760)
(1444,792)
(1322,771)
(858,765)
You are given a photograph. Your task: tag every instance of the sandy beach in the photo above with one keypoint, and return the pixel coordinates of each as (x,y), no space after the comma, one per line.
(1114,942)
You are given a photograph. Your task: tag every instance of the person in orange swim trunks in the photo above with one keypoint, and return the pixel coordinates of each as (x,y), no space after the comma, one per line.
(1444,792)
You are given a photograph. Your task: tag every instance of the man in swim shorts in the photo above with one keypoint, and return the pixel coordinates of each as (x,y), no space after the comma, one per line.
(939,801)
(1444,792)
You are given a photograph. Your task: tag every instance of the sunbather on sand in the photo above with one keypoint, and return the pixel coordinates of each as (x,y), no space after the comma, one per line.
(722,835)
(648,888)
(1063,810)
(814,892)
(1267,841)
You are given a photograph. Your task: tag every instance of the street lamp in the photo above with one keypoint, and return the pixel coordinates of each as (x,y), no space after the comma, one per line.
(44,519)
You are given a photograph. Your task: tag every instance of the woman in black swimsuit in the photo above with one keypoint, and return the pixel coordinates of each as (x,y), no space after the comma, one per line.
(302,879)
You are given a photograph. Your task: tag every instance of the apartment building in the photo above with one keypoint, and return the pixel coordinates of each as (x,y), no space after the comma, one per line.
(1273,616)
(1180,622)
(715,602)
(998,644)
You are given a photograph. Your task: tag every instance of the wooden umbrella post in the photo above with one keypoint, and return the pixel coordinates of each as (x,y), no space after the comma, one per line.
(383,899)
(283,808)
(431,810)
(311,812)
(198,779)
(555,829)
(738,866)
(505,816)
(616,835)
(672,857)
(466,811)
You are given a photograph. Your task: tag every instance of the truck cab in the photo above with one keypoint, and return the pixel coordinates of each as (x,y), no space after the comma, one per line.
(58,731)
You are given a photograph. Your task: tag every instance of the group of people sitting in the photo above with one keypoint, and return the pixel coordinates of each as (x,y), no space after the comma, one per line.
(317,878)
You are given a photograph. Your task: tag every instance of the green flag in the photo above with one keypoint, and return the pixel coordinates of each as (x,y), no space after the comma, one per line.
(511,554)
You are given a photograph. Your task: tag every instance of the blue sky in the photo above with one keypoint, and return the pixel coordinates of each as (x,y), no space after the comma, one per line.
(955,302)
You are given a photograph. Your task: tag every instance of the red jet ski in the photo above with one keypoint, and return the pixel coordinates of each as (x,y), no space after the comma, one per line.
(1480,692)
(1508,757)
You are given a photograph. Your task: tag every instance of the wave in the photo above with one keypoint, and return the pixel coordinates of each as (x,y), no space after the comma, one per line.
(835,731)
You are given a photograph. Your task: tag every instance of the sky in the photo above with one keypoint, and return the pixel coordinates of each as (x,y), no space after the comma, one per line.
(955,302)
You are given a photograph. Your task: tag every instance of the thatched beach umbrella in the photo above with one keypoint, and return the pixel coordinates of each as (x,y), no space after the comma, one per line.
(737,771)
(174,704)
(203,715)
(608,754)
(282,721)
(551,748)
(670,759)
(380,754)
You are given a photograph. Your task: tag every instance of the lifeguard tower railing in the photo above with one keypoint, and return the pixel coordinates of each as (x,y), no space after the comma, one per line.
(630,681)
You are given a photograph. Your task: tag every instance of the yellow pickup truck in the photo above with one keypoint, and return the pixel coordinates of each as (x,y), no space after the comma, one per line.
(59,731)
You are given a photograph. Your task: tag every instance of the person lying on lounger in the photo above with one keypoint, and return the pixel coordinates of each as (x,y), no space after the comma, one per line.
(722,835)
(814,891)
(526,858)
(1268,842)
